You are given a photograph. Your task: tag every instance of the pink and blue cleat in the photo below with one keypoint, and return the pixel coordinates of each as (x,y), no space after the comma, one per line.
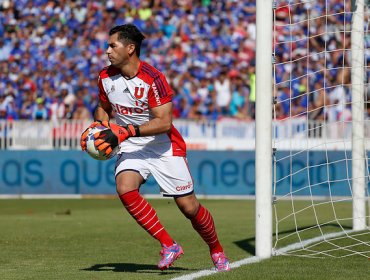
(220,261)
(169,255)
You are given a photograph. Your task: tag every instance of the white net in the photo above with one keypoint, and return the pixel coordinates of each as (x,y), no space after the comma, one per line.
(312,128)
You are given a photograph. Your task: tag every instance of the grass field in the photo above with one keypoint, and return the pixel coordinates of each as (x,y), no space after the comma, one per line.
(97,239)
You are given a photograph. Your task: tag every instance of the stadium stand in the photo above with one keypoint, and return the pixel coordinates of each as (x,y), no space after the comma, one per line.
(51,53)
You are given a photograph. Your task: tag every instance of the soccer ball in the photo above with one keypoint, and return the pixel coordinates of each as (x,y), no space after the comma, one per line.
(90,145)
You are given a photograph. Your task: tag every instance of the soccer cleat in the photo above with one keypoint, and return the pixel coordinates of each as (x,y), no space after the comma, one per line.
(220,261)
(169,255)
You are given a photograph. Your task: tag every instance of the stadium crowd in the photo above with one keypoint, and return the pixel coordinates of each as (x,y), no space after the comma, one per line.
(52,51)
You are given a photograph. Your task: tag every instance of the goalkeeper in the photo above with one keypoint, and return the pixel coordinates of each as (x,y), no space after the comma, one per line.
(148,143)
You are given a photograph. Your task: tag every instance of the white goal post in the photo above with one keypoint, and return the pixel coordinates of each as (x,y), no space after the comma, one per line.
(263,128)
(358,134)
(342,144)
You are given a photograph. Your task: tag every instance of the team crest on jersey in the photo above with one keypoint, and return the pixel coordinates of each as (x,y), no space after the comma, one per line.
(139,92)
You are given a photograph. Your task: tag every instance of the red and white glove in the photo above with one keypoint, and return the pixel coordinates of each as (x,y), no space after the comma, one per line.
(85,133)
(115,134)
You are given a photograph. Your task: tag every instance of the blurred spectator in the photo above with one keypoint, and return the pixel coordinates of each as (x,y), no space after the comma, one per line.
(204,96)
(283,101)
(145,12)
(3,114)
(27,105)
(81,112)
(317,100)
(367,110)
(40,112)
(71,50)
(338,100)
(237,104)
(2,107)
(212,112)
(195,111)
(57,108)
(223,93)
(92,102)
(239,97)
(5,49)
(252,89)
(68,112)
(183,109)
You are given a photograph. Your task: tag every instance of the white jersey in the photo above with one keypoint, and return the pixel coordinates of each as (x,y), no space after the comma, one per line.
(131,100)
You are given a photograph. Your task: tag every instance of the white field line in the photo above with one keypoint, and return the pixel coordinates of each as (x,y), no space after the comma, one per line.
(207,272)
(255,259)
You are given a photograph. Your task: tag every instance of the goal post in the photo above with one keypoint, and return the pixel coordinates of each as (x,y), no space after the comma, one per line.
(358,131)
(264,128)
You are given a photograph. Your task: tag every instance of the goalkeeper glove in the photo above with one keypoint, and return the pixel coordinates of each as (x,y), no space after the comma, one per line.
(115,134)
(85,133)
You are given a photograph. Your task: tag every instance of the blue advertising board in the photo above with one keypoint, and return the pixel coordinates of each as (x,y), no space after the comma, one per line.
(214,173)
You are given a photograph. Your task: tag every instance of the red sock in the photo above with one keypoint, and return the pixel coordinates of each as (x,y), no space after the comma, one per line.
(145,216)
(204,225)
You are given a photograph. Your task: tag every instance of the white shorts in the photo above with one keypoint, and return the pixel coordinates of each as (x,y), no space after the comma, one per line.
(171,172)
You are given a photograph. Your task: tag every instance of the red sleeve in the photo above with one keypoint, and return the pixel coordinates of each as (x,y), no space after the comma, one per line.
(160,92)
(102,94)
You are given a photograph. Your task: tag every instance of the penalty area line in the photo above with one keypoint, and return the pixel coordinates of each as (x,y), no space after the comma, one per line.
(255,259)
(207,272)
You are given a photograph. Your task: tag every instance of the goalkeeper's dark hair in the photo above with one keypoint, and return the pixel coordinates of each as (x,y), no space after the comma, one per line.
(129,33)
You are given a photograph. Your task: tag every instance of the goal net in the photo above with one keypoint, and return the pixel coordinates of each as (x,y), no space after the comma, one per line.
(321,128)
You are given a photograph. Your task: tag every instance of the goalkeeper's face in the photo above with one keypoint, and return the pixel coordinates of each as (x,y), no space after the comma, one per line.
(118,52)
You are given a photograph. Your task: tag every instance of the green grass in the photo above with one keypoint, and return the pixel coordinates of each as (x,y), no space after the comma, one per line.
(97,239)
